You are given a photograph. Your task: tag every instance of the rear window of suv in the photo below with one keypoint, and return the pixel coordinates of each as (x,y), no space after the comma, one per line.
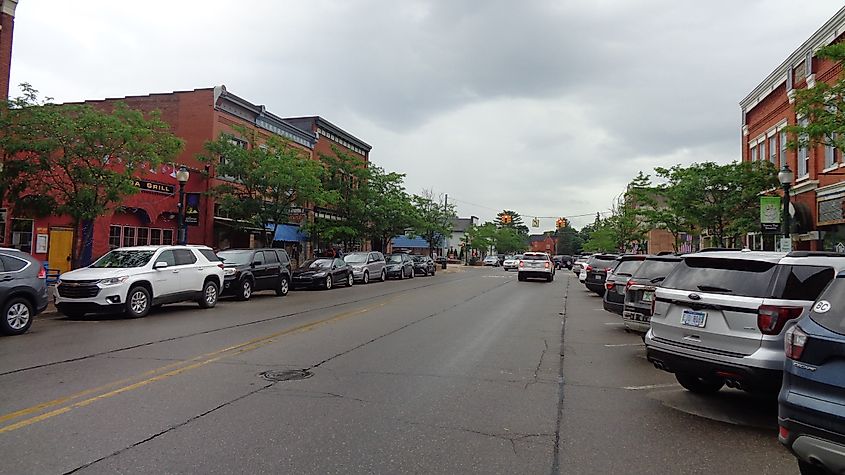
(628,267)
(602,262)
(743,277)
(535,257)
(833,318)
(652,269)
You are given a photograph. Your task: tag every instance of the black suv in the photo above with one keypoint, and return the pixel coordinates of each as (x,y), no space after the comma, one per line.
(597,269)
(249,270)
(424,265)
(616,282)
(23,291)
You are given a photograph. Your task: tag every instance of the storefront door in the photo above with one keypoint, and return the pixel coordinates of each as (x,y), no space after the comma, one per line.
(60,247)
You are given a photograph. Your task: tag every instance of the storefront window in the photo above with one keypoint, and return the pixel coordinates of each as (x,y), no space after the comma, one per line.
(22,234)
(128,236)
(155,237)
(114,237)
(167,236)
(143,236)
(3,214)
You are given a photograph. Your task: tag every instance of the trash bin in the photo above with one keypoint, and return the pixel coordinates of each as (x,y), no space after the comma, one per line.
(443,264)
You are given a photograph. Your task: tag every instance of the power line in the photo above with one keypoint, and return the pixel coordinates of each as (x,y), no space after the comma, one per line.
(530,215)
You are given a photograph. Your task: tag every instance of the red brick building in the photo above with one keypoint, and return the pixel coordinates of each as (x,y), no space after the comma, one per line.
(819,188)
(7,28)
(149,217)
(542,243)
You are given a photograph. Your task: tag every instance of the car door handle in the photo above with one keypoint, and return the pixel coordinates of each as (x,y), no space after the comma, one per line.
(6,278)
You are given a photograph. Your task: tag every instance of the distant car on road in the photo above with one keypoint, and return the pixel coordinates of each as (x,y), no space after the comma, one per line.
(250,270)
(811,403)
(23,291)
(511,262)
(366,266)
(579,264)
(424,265)
(491,261)
(323,272)
(536,265)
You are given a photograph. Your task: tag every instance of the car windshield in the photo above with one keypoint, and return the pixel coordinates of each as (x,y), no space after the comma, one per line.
(394,259)
(124,259)
(235,258)
(317,264)
(355,258)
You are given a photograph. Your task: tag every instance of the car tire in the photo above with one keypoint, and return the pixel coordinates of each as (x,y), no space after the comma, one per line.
(138,302)
(413,273)
(350,280)
(284,287)
(520,277)
(383,275)
(402,274)
(699,384)
(328,284)
(550,278)
(245,290)
(17,316)
(210,293)
(807,468)
(366,279)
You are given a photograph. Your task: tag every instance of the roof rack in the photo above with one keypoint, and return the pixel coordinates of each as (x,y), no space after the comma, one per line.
(815,254)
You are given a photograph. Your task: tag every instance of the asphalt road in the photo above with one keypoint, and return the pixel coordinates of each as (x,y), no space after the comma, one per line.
(464,372)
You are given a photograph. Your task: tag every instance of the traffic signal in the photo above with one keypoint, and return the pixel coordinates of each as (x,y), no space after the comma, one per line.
(506,219)
(561,223)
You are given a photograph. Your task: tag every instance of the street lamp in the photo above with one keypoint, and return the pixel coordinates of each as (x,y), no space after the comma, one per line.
(785,177)
(182,176)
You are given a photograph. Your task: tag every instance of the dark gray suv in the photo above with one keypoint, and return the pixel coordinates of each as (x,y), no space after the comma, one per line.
(23,291)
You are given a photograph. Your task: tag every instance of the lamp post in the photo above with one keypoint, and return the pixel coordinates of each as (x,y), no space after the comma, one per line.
(785,177)
(182,176)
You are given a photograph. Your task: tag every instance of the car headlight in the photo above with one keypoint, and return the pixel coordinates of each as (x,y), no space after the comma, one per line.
(320,274)
(229,271)
(113,281)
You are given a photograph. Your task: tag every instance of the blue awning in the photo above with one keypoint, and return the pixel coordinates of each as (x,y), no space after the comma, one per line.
(288,233)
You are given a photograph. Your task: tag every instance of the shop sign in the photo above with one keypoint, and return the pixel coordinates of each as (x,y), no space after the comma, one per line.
(192,209)
(155,187)
(770,209)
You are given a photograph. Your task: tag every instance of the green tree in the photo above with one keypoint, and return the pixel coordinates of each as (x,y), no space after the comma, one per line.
(510,219)
(654,205)
(344,180)
(823,106)
(481,237)
(509,240)
(262,181)
(388,209)
(601,238)
(433,218)
(569,241)
(84,159)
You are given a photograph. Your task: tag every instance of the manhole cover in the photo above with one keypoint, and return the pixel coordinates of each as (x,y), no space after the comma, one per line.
(286,375)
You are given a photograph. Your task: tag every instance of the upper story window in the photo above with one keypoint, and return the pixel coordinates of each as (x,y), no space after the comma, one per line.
(800,73)
(782,148)
(831,154)
(803,155)
(773,149)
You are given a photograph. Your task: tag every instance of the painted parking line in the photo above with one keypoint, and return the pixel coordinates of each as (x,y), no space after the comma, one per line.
(623,344)
(651,386)
(613,323)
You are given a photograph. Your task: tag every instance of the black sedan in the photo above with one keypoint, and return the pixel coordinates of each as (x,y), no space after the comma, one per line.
(400,265)
(424,265)
(322,273)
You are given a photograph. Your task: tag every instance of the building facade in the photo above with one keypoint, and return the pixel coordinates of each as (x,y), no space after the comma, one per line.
(457,238)
(150,216)
(818,191)
(542,243)
(7,29)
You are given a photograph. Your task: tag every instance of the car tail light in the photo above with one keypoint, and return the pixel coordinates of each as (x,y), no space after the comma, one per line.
(42,273)
(794,342)
(609,285)
(589,268)
(783,432)
(629,284)
(772,318)
(547,265)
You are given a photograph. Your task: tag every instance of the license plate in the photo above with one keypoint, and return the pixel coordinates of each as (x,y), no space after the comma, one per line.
(648,296)
(596,277)
(694,318)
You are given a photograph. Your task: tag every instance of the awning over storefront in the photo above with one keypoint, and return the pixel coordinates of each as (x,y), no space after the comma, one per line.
(288,233)
(409,243)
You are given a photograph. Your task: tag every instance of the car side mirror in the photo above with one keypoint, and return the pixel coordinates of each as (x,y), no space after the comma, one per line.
(256,263)
(160,265)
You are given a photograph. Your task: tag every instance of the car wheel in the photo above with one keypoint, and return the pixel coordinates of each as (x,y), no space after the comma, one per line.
(699,384)
(413,273)
(137,302)
(350,280)
(520,277)
(210,292)
(807,468)
(402,274)
(383,275)
(551,277)
(328,284)
(284,287)
(17,316)
(366,279)
(246,290)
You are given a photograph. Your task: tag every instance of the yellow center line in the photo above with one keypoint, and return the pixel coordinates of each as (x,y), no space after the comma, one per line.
(190,364)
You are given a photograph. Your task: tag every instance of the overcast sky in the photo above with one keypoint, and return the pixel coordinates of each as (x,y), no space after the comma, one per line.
(548,108)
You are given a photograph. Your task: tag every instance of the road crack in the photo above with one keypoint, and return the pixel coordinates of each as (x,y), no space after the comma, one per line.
(539,363)
(512,437)
(555,470)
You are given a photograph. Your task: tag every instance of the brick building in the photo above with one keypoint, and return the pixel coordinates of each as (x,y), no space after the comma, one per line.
(819,188)
(542,243)
(149,216)
(7,28)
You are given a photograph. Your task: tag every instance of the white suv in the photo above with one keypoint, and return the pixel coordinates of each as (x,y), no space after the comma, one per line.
(720,317)
(536,264)
(134,279)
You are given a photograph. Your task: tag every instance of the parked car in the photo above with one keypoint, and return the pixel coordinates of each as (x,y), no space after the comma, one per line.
(616,282)
(366,265)
(400,266)
(323,273)
(424,265)
(563,261)
(23,291)
(132,280)
(491,261)
(511,262)
(251,270)
(811,403)
(596,271)
(580,264)
(639,296)
(720,317)
(536,265)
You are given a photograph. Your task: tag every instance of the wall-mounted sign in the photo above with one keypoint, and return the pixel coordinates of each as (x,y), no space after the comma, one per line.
(155,187)
(192,209)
